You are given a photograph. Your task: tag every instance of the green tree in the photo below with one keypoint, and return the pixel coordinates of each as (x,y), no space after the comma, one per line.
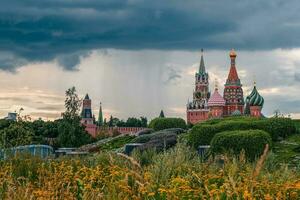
(15,135)
(71,132)
(144,122)
(72,104)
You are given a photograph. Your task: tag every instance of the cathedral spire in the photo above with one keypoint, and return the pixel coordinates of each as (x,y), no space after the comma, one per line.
(233,75)
(202,66)
(100,117)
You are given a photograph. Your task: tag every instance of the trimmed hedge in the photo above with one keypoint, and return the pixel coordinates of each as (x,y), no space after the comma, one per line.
(251,141)
(202,134)
(164,123)
(165,132)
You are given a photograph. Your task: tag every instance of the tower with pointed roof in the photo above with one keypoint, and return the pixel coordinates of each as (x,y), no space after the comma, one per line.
(233,92)
(197,109)
(100,117)
(86,113)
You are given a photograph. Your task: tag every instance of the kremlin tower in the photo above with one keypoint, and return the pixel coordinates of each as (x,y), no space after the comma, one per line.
(86,113)
(198,110)
(233,92)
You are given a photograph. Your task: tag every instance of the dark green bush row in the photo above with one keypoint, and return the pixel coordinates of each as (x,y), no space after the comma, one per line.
(164,123)
(148,137)
(252,142)
(202,134)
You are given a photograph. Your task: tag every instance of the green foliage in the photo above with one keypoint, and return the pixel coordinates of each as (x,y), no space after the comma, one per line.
(72,133)
(163,133)
(251,141)
(202,134)
(130,122)
(15,135)
(287,151)
(297,124)
(164,123)
(5,123)
(116,143)
(72,103)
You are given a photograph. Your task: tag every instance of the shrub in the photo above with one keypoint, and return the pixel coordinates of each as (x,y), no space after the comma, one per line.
(202,134)
(148,137)
(115,143)
(164,123)
(251,141)
(160,142)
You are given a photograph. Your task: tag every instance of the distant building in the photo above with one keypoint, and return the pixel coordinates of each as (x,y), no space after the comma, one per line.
(86,113)
(88,120)
(11,116)
(87,117)
(204,106)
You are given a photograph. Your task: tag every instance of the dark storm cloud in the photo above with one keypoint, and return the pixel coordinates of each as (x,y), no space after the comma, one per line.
(33,31)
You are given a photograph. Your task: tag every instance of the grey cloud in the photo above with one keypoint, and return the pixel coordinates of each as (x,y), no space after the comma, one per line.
(173,76)
(34,31)
(297,77)
(45,114)
(16,99)
(51,107)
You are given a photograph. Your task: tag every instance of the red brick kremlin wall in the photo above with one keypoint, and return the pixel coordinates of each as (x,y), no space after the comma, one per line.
(92,129)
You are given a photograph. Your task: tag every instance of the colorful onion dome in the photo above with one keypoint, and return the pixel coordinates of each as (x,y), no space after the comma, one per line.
(236,113)
(216,99)
(255,99)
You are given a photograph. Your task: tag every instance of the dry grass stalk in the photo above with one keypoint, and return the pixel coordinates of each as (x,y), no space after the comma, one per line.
(260,162)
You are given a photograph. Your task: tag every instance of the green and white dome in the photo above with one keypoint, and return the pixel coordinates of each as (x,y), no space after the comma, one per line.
(255,99)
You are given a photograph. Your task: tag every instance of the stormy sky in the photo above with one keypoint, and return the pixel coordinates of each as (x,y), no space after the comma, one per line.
(138,57)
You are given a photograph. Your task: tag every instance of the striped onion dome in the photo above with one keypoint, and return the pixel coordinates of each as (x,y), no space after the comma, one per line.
(236,113)
(255,99)
(216,99)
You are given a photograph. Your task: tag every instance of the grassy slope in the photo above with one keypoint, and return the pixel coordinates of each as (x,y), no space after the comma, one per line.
(116,143)
(288,150)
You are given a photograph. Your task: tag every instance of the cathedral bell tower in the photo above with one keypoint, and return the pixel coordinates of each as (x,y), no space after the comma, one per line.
(233,92)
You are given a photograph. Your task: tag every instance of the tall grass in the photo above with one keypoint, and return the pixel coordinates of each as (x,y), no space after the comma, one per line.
(174,174)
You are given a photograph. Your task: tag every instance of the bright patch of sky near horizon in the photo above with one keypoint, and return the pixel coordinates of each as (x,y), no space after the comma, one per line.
(142,82)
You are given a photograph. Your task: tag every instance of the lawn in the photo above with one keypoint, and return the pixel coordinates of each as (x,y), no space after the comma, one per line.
(288,150)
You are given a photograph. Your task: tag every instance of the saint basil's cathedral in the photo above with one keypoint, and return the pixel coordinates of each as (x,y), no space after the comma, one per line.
(205,106)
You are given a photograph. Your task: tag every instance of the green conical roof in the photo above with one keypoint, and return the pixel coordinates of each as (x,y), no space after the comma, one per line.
(100,117)
(255,99)
(201,66)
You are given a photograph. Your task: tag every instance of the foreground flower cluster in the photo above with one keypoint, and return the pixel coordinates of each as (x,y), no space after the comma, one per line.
(175,174)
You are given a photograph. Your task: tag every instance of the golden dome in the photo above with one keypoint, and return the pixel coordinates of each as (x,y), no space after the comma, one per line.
(232,53)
